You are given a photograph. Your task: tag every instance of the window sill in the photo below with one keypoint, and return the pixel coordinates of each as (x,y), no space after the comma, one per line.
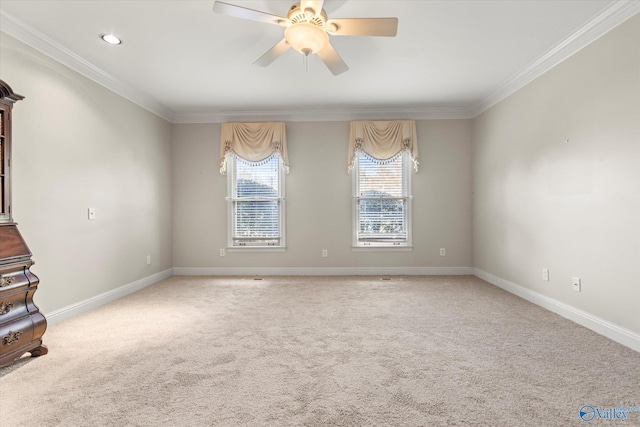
(257,249)
(381,248)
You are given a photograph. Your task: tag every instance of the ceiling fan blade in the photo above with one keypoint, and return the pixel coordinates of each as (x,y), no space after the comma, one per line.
(387,27)
(332,60)
(272,54)
(244,13)
(316,5)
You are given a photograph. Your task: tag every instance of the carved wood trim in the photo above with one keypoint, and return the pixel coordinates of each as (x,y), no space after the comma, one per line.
(8,93)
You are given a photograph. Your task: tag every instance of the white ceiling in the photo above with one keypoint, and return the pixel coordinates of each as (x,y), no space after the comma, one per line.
(184,62)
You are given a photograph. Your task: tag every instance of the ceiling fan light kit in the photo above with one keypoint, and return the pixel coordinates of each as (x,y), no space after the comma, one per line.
(306,38)
(307,30)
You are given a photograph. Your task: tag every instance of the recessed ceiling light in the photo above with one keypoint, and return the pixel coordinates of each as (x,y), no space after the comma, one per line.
(110,38)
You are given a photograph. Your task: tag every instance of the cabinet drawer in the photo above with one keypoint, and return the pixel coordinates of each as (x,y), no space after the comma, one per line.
(12,279)
(13,304)
(15,334)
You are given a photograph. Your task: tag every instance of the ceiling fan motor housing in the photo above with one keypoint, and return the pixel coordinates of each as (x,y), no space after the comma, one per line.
(297,15)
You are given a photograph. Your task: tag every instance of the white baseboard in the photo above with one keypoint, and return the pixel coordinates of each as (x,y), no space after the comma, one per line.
(72,310)
(617,333)
(80,307)
(610,330)
(324,271)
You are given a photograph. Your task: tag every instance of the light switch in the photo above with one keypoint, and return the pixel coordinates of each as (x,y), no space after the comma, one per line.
(576,284)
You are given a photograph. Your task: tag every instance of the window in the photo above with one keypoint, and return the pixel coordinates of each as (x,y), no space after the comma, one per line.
(380,158)
(256,203)
(254,158)
(382,201)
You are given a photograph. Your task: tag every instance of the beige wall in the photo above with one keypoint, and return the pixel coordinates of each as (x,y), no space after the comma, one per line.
(549,177)
(79,145)
(557,181)
(318,193)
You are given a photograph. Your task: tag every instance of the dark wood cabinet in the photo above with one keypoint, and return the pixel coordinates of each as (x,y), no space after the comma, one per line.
(21,323)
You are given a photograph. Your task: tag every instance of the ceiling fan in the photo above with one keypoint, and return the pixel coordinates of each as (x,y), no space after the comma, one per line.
(307,30)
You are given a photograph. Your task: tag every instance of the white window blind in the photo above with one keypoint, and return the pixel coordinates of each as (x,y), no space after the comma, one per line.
(256,203)
(382,201)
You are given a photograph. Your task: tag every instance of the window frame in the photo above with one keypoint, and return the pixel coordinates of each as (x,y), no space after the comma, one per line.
(231,162)
(357,244)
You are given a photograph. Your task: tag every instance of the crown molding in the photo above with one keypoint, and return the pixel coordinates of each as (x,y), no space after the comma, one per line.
(609,18)
(32,37)
(605,21)
(327,114)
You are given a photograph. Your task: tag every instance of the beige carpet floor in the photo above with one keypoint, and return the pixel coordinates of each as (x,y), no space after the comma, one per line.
(320,351)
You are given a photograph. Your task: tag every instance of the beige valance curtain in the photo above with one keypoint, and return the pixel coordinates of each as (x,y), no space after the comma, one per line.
(383,140)
(253,142)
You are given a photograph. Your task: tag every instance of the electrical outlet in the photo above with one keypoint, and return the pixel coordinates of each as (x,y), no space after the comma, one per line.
(91,213)
(148,259)
(325,253)
(442,252)
(575,282)
(223,252)
(545,274)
